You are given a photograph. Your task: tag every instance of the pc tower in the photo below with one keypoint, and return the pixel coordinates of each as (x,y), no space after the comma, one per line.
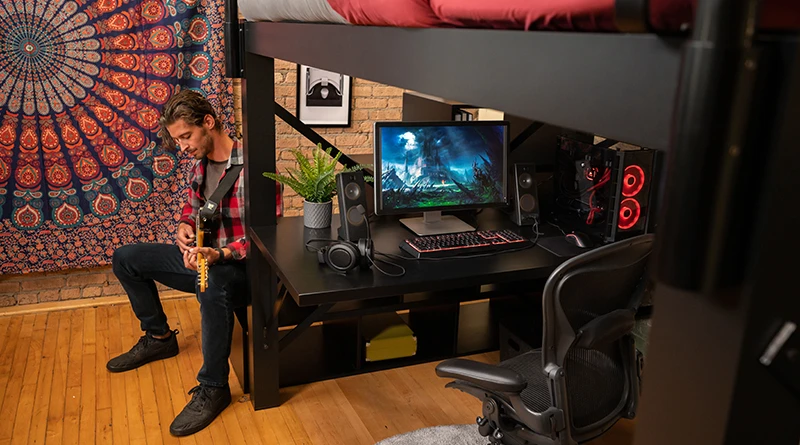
(525,209)
(602,192)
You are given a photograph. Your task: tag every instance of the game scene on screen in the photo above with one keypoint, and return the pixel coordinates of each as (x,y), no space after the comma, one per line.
(441,166)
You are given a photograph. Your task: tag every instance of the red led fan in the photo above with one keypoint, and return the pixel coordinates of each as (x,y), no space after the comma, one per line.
(629,213)
(632,180)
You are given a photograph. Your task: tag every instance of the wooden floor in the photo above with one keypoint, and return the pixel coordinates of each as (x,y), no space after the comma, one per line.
(54,389)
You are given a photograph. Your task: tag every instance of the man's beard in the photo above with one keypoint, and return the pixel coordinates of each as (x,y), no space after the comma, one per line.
(206,146)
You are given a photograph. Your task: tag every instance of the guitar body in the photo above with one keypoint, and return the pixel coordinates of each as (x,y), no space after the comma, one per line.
(202,265)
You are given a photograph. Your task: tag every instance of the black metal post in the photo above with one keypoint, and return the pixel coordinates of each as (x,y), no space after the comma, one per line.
(723,258)
(524,135)
(232,40)
(258,127)
(719,68)
(312,135)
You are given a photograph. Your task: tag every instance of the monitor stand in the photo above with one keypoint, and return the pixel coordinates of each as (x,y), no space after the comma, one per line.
(433,223)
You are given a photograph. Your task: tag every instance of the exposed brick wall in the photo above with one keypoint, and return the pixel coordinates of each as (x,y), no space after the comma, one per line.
(59,286)
(371,102)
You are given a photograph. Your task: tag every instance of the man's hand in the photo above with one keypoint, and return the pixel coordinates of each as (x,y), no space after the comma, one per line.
(185,237)
(190,259)
(190,256)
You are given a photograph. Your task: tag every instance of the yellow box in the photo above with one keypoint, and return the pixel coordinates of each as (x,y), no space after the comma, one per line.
(387,336)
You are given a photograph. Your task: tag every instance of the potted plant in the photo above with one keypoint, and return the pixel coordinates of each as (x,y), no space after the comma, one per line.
(315,181)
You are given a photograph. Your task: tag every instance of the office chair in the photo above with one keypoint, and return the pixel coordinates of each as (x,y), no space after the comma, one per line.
(587,374)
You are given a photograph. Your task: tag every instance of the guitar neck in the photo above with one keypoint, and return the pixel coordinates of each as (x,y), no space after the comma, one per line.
(202,266)
(199,231)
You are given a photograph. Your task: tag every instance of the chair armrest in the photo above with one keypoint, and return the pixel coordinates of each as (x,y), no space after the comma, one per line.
(605,329)
(493,378)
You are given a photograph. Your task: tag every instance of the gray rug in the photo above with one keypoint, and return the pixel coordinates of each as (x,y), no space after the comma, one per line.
(439,435)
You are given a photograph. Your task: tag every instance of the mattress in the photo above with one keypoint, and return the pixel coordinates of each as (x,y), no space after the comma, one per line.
(399,13)
(572,15)
(592,15)
(311,11)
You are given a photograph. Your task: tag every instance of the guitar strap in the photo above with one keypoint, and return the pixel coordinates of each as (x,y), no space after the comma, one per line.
(210,209)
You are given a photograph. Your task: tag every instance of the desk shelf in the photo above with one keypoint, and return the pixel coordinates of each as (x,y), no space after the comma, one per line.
(335,347)
(292,314)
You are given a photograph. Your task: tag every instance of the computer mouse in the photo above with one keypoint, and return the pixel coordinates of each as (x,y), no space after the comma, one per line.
(578,239)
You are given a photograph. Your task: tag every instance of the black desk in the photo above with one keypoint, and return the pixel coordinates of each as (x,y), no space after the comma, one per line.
(322,294)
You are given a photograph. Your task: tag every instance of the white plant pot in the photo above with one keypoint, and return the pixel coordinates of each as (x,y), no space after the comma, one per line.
(317,215)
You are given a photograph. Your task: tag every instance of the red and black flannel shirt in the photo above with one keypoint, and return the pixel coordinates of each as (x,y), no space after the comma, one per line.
(231,231)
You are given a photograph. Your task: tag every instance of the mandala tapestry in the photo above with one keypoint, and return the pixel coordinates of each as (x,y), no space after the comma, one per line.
(81,86)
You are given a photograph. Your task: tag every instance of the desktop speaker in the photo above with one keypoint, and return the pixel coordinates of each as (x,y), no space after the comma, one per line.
(352,193)
(603,192)
(526,198)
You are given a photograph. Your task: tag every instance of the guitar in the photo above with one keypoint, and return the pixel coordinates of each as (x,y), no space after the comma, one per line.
(202,265)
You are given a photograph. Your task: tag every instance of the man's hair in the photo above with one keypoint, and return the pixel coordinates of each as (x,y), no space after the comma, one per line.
(188,105)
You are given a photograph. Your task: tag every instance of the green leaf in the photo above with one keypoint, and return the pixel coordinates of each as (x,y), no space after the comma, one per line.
(315,179)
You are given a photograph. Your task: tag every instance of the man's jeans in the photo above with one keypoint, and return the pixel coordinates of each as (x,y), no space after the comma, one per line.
(139,266)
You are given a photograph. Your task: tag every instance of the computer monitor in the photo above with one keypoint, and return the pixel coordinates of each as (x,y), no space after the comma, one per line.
(434,166)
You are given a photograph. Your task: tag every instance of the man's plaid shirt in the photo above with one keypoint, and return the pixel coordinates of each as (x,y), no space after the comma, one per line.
(231,231)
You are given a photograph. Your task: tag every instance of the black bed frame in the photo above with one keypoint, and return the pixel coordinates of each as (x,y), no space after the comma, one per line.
(721,102)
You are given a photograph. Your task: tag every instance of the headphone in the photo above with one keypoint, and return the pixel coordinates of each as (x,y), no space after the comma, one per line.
(344,256)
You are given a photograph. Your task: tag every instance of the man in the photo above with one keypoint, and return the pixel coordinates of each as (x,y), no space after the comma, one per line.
(189,123)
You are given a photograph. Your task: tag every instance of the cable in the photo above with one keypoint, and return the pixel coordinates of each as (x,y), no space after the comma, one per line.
(592,208)
(557,227)
(369,241)
(402,269)
(536,229)
(318,240)
(363,212)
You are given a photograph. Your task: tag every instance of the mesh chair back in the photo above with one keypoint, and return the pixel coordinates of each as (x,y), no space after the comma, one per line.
(583,288)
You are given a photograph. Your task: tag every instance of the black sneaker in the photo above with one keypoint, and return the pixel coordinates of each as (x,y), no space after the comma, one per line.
(148,349)
(206,404)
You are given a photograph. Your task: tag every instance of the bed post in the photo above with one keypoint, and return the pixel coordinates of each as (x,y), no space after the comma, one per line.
(717,370)
(258,127)
(234,44)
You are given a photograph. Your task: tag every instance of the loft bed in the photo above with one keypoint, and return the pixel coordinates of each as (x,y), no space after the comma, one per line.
(714,83)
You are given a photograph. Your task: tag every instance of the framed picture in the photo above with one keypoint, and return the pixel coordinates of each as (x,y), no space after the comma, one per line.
(323,97)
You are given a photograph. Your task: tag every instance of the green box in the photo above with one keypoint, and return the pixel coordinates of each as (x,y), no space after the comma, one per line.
(386,337)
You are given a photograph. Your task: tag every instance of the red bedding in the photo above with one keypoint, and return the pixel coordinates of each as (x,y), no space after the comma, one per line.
(582,15)
(591,15)
(571,15)
(402,13)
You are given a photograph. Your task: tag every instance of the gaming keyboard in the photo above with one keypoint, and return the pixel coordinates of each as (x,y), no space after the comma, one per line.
(464,243)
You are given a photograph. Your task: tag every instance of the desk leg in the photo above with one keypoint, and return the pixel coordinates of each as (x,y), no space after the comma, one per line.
(264,353)
(258,129)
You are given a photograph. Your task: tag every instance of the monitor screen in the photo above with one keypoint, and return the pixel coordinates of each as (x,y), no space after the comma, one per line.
(428,166)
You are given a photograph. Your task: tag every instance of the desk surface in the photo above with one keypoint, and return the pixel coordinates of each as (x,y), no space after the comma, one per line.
(311,283)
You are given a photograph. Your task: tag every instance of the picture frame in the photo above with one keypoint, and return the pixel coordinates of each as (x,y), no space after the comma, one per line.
(323,97)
